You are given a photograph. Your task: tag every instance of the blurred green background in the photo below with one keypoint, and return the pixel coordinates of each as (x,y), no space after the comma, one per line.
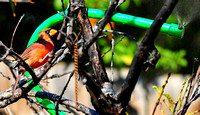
(176,55)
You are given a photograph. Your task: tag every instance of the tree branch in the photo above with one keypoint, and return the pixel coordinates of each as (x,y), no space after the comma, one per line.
(93,52)
(65,102)
(146,46)
(102,23)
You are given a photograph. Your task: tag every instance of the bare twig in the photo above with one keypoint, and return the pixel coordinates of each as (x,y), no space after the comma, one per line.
(56,75)
(65,102)
(184,94)
(119,33)
(101,24)
(191,79)
(5,76)
(63,91)
(11,43)
(161,93)
(179,97)
(43,88)
(63,6)
(43,107)
(194,112)
(65,16)
(111,63)
(195,81)
(168,106)
(114,45)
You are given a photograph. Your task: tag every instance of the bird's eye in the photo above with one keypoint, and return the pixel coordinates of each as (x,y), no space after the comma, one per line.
(47,32)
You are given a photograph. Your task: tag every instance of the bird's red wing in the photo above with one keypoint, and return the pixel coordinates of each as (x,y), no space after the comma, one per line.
(34,55)
(29,51)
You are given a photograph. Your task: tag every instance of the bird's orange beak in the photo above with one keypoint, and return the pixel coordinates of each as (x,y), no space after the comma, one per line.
(52,32)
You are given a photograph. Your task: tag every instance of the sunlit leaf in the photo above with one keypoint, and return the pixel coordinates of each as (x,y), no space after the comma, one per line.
(169,98)
(155,87)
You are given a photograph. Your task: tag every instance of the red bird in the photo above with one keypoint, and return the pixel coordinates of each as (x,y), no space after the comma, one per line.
(37,53)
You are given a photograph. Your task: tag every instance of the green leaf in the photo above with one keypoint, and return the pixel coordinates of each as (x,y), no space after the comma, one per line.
(169,98)
(171,59)
(155,87)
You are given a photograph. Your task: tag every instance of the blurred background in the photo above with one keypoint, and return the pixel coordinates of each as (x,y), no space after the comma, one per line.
(177,55)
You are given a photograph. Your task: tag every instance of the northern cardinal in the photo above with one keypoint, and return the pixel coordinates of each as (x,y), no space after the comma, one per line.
(37,53)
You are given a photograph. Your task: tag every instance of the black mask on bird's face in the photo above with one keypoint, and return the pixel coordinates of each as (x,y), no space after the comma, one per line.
(53,34)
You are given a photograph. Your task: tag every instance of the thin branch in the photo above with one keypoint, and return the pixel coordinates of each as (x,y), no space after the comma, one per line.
(56,75)
(11,43)
(63,91)
(161,93)
(7,77)
(43,107)
(111,63)
(63,15)
(184,94)
(114,45)
(191,96)
(195,81)
(65,102)
(101,24)
(119,33)
(63,6)
(168,106)
(179,97)
(43,88)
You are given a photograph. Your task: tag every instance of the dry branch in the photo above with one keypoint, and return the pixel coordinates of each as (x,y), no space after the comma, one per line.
(145,47)
(63,101)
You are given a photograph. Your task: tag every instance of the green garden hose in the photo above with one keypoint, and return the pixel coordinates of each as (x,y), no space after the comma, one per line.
(171,29)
